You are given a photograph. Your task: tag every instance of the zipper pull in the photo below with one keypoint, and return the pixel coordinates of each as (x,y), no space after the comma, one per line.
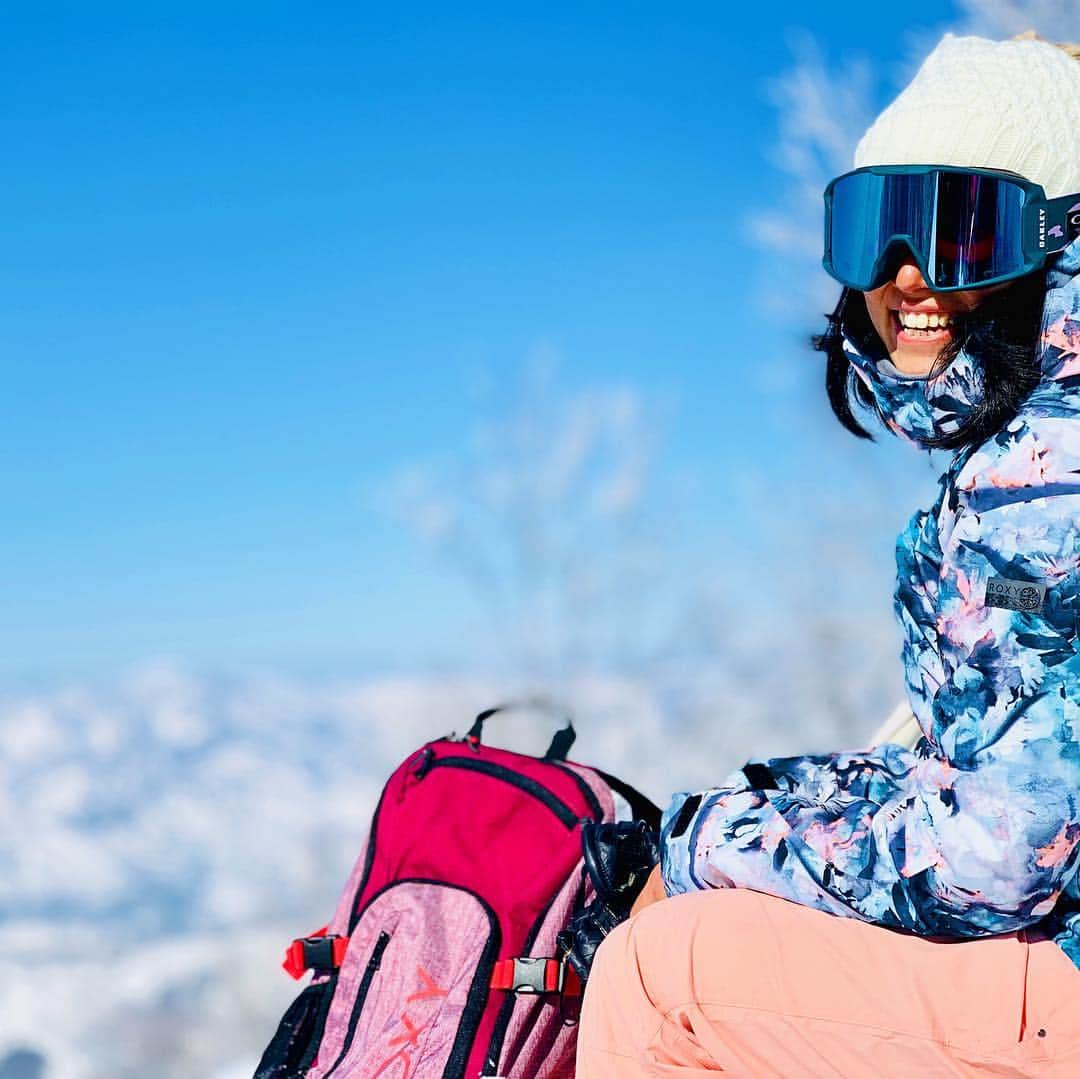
(427,755)
(376,955)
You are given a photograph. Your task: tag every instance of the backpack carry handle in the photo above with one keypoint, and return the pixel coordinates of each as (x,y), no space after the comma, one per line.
(561,741)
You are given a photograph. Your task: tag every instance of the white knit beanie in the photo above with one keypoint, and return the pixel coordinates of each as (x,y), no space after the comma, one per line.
(987,104)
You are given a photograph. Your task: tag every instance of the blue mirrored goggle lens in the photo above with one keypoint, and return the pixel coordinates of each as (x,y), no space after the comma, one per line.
(978,233)
(869,211)
(964,227)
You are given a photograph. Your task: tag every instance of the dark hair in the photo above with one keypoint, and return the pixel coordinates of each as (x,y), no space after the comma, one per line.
(1000,335)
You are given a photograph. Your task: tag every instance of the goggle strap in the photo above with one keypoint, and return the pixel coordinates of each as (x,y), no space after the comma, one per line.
(1057,223)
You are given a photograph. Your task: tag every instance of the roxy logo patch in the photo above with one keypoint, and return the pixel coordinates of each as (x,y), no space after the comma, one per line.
(1015,595)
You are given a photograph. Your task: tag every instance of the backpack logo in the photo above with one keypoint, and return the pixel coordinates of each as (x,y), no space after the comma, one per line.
(1015,595)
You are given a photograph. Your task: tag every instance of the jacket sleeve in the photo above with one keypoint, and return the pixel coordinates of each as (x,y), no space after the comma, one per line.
(976,830)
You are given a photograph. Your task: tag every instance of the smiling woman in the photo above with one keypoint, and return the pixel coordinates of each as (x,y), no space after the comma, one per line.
(900,909)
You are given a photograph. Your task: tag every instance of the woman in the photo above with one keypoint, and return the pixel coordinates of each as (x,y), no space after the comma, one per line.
(892,910)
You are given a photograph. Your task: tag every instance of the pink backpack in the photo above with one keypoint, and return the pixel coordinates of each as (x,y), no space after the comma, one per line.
(440,960)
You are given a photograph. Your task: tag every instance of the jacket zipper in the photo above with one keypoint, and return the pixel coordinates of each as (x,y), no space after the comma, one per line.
(508,775)
(361,995)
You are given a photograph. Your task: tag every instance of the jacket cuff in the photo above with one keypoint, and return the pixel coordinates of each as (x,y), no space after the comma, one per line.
(677,828)
(675,845)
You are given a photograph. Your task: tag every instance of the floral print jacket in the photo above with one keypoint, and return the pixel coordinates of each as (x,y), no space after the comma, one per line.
(977,830)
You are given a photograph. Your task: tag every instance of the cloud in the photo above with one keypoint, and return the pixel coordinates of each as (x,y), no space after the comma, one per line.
(821,110)
(1055,20)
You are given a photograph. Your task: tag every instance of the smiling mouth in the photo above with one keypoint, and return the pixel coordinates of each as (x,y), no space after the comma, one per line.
(918,328)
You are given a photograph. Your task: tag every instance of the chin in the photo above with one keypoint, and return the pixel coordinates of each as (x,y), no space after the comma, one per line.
(917,363)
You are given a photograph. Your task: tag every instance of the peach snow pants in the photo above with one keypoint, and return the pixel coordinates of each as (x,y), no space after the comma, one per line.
(736,981)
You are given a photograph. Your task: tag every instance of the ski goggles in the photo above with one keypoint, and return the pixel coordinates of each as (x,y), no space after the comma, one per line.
(966,228)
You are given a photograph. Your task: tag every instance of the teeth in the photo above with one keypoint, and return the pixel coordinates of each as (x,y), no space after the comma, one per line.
(921,320)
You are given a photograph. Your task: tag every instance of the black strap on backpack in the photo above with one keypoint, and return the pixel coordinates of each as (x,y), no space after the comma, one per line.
(561,741)
(619,856)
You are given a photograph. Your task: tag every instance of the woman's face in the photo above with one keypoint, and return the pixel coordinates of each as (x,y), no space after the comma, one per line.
(913,321)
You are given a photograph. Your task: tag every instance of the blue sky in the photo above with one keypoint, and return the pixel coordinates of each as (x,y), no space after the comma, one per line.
(258,257)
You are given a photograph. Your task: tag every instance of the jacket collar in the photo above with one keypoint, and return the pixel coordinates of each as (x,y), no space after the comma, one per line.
(1060,340)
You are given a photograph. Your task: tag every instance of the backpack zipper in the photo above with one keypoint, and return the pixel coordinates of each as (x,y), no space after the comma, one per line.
(361,996)
(586,791)
(530,786)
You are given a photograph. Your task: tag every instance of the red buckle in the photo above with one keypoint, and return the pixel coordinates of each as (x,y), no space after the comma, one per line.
(539,974)
(320,951)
